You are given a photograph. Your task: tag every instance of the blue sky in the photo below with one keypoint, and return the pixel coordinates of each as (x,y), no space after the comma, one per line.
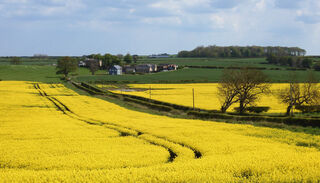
(78,27)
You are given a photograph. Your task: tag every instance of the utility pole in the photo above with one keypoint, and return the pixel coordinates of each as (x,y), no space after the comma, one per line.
(193,97)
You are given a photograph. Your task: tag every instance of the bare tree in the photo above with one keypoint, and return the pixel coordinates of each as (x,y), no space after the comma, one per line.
(298,94)
(243,86)
(226,90)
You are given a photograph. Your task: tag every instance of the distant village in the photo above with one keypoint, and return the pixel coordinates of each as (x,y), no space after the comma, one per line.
(132,68)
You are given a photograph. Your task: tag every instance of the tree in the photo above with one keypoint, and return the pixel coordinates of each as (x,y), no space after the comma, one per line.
(316,66)
(243,86)
(93,66)
(306,63)
(66,65)
(298,94)
(128,58)
(15,61)
(135,58)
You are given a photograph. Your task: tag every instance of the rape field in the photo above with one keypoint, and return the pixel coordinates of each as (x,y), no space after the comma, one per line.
(49,133)
(205,95)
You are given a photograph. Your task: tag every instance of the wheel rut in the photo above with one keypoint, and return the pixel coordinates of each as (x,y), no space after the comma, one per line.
(122,130)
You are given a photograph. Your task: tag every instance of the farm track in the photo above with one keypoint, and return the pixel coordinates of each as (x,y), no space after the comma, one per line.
(122,130)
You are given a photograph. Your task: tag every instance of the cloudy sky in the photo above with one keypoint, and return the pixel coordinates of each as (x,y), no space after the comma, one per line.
(78,27)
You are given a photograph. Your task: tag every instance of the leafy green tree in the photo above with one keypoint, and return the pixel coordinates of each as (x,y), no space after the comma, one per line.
(93,66)
(65,65)
(316,66)
(127,59)
(135,58)
(307,63)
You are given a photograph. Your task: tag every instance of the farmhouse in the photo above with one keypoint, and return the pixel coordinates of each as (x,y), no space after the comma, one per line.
(115,70)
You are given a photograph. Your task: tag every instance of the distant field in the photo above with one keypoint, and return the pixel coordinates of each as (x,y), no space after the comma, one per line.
(36,70)
(190,75)
(205,95)
(30,61)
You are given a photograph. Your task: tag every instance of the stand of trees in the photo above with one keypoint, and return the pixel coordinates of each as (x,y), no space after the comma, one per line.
(292,61)
(240,51)
(107,59)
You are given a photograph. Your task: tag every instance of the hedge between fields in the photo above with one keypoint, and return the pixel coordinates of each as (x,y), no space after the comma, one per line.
(313,122)
(200,113)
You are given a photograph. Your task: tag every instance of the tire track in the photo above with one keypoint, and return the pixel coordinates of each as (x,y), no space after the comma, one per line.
(123,131)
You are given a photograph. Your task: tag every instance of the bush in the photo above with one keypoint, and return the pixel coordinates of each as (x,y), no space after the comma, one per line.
(254,109)
(317,66)
(308,108)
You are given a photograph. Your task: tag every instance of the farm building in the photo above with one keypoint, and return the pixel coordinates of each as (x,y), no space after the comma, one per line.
(146,68)
(128,69)
(115,70)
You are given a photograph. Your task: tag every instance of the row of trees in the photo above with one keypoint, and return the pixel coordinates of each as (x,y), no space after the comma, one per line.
(292,61)
(240,51)
(109,59)
(244,86)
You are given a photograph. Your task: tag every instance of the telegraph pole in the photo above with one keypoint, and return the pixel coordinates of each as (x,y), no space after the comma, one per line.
(193,97)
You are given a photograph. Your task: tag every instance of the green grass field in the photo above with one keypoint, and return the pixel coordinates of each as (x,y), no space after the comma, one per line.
(188,75)
(30,71)
(30,61)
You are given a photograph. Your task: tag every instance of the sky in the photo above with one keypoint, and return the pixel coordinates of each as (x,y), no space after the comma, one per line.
(81,27)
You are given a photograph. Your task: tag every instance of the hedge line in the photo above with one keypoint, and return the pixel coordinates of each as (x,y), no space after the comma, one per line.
(90,91)
(313,122)
(216,67)
(308,108)
(150,105)
(175,106)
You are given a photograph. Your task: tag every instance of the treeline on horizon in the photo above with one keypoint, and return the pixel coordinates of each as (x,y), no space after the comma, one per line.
(242,51)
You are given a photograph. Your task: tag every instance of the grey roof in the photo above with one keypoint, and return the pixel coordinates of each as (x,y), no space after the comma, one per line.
(117,66)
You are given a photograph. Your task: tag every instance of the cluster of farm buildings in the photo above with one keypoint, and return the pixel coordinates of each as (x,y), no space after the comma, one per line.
(141,68)
(133,69)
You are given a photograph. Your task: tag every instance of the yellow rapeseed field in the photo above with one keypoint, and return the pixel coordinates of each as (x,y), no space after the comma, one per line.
(49,133)
(205,95)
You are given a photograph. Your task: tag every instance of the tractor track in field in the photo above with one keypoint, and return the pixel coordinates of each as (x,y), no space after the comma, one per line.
(122,130)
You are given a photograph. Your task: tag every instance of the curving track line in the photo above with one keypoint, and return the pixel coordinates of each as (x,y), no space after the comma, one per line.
(123,131)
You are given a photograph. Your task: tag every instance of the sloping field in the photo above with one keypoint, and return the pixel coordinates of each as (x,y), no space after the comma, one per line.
(205,95)
(49,133)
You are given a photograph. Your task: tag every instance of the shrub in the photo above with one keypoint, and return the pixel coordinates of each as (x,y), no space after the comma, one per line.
(254,109)
(317,66)
(308,108)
